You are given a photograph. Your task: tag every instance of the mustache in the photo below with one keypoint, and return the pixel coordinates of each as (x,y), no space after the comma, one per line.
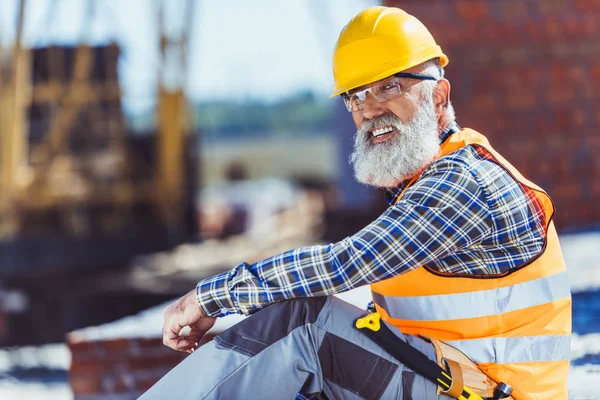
(380,122)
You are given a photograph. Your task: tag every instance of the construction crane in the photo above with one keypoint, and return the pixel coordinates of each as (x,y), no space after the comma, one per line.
(79,195)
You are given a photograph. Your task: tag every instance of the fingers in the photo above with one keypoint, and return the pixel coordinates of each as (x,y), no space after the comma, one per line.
(185,314)
(179,343)
(178,337)
(193,348)
(172,334)
(185,344)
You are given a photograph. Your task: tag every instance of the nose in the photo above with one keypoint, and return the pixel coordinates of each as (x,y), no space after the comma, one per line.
(372,107)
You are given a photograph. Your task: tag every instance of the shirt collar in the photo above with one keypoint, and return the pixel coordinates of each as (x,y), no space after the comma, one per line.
(391,194)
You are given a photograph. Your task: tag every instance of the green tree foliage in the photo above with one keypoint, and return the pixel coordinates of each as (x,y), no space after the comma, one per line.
(300,114)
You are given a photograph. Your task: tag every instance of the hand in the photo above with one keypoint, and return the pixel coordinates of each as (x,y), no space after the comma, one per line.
(185,312)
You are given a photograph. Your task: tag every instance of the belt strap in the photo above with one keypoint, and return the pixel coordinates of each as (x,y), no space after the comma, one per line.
(457,379)
(451,381)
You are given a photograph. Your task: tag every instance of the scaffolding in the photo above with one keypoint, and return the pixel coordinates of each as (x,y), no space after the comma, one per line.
(64,145)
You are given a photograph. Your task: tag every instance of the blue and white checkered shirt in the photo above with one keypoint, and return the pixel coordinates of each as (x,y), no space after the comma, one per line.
(464,215)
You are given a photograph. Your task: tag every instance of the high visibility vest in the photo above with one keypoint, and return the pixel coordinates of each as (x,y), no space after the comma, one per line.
(515,326)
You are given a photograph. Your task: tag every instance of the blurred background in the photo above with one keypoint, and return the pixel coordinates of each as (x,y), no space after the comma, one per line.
(147,144)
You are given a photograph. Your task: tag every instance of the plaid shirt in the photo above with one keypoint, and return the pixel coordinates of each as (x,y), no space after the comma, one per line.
(464,215)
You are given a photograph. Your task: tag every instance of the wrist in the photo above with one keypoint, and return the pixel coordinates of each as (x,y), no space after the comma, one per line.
(191,300)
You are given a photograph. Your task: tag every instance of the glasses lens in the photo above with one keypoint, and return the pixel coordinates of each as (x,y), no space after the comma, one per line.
(356,101)
(353,102)
(347,102)
(387,89)
(381,91)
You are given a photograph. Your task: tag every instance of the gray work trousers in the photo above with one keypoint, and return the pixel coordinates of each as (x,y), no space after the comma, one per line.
(307,346)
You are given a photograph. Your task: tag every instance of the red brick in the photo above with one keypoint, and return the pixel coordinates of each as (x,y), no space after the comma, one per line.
(472,10)
(595,71)
(531,75)
(579,118)
(484,102)
(560,94)
(514,55)
(577,74)
(434,11)
(587,50)
(116,345)
(590,25)
(587,5)
(86,350)
(572,27)
(451,36)
(86,384)
(558,72)
(555,29)
(562,170)
(145,383)
(543,167)
(483,78)
(87,367)
(586,212)
(519,101)
(552,7)
(533,29)
(149,343)
(514,9)
(587,91)
(558,65)
(83,346)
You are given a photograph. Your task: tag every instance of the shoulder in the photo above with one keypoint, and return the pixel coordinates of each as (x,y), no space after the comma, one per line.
(456,177)
(468,159)
(470,163)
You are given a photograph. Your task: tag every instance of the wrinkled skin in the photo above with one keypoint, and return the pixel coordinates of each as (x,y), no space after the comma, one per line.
(183,313)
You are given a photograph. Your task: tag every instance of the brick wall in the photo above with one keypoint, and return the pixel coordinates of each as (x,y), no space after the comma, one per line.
(119,369)
(526,74)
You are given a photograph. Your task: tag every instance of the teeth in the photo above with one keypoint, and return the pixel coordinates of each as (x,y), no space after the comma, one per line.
(382,131)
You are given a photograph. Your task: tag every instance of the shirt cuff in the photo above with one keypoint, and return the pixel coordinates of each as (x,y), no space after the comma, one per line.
(214,297)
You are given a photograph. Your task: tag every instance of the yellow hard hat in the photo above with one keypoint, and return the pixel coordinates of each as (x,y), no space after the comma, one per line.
(379,42)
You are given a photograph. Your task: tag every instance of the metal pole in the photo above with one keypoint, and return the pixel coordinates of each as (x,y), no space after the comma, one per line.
(11,152)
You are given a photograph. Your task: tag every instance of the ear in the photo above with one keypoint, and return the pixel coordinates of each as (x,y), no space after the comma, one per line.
(441,97)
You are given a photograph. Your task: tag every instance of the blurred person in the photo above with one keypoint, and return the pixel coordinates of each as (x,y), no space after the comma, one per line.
(465,259)
(237,220)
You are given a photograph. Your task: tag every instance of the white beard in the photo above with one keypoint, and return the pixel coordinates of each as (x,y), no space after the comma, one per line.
(389,163)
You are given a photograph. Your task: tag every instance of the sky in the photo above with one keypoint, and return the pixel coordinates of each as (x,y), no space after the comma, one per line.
(239,49)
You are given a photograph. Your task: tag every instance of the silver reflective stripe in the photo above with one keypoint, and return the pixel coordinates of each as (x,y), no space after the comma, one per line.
(476,304)
(506,350)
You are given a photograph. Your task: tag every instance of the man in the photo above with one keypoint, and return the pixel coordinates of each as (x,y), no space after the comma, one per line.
(466,254)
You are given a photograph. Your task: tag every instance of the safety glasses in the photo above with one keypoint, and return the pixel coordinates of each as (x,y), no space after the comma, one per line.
(382,91)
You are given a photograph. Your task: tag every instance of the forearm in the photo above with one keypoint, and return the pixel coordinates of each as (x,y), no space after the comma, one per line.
(438,217)
(305,272)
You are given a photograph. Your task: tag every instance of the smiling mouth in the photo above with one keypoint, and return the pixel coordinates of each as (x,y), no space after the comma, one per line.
(382,131)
